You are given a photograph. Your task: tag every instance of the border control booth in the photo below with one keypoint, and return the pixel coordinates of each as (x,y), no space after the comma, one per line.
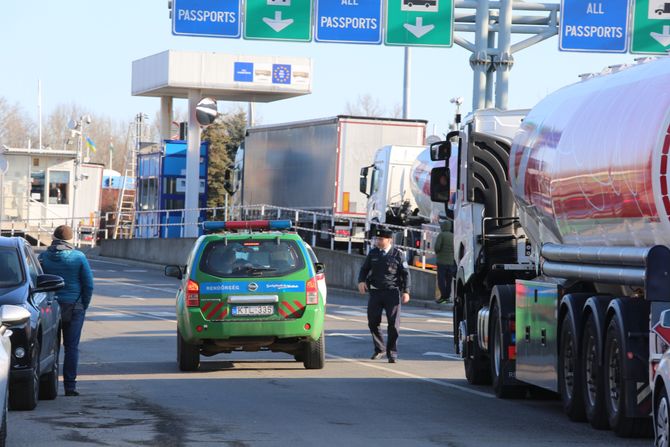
(161,189)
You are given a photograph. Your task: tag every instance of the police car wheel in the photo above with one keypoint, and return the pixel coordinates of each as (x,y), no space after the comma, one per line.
(315,353)
(188,356)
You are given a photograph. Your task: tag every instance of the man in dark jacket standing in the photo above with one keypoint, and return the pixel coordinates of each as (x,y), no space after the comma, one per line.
(385,274)
(63,260)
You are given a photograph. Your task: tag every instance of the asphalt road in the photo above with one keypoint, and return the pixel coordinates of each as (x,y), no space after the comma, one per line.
(133,394)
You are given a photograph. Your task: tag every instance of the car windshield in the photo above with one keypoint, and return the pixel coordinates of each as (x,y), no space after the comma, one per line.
(251,258)
(10,269)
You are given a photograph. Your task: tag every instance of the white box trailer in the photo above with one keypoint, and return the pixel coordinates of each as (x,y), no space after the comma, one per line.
(315,165)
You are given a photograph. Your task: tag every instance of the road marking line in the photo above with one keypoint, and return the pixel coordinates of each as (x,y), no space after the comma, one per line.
(443,354)
(412,376)
(338,334)
(442,314)
(438,321)
(135,271)
(132,296)
(437,334)
(139,314)
(115,282)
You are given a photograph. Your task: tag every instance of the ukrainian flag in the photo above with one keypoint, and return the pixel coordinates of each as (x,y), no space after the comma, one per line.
(90,144)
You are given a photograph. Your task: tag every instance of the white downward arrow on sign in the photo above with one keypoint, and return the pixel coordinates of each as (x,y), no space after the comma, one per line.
(664,37)
(277,23)
(419,30)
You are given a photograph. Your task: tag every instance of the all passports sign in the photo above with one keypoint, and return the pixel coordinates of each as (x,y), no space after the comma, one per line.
(349,21)
(600,26)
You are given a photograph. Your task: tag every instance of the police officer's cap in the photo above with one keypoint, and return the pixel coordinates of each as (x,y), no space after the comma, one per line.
(383,232)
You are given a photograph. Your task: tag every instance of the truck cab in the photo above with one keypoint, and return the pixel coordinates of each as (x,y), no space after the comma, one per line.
(386,183)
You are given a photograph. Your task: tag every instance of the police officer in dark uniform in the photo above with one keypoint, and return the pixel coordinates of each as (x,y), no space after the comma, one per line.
(385,274)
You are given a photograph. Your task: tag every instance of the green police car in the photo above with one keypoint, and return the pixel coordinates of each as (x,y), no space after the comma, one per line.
(254,286)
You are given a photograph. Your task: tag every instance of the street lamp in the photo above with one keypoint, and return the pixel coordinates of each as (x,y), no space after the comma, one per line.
(77,128)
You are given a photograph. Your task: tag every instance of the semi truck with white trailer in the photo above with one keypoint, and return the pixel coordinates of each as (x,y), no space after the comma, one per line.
(562,229)
(314,166)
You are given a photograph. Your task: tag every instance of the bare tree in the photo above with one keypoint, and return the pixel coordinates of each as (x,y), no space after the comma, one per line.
(16,128)
(366,105)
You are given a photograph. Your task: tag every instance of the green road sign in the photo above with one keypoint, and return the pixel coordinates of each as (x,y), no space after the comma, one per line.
(420,23)
(651,27)
(278,20)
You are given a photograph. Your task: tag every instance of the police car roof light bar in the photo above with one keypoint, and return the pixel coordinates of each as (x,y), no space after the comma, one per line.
(247,225)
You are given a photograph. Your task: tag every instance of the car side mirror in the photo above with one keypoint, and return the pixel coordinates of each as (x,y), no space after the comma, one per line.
(319,268)
(363,181)
(174,271)
(48,283)
(439,185)
(12,315)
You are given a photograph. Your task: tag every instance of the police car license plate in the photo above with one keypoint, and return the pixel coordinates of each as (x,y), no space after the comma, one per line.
(253,310)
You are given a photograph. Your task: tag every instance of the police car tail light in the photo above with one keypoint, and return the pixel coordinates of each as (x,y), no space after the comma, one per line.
(192,294)
(312,291)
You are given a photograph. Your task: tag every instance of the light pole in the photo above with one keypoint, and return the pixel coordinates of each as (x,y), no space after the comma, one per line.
(77,128)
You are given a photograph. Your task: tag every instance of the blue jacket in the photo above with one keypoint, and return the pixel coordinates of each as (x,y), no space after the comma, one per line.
(63,260)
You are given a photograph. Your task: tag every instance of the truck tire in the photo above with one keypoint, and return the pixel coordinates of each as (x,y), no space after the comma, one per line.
(49,381)
(477,365)
(497,349)
(188,356)
(592,376)
(615,399)
(662,417)
(24,396)
(315,353)
(569,378)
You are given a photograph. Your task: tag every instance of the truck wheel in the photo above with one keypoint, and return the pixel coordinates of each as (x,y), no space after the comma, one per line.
(569,377)
(497,350)
(188,356)
(592,377)
(662,418)
(315,353)
(24,396)
(49,381)
(615,400)
(477,366)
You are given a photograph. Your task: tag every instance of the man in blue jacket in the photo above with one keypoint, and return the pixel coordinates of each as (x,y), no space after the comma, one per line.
(63,260)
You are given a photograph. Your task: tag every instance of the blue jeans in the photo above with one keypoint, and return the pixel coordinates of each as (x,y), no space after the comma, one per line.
(71,337)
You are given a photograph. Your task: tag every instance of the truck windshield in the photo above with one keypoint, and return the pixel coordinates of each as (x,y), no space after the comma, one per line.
(251,258)
(11,273)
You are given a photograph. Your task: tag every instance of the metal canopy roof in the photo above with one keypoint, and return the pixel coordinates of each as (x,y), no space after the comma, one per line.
(222,76)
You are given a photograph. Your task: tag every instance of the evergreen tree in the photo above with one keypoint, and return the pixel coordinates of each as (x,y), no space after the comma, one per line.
(224,136)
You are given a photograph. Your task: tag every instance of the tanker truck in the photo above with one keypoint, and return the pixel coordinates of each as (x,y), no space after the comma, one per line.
(562,229)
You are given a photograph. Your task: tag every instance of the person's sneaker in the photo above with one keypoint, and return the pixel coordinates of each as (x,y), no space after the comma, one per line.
(442,300)
(378,355)
(393,360)
(71,393)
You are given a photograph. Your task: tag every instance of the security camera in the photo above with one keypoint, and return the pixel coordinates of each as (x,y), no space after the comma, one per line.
(458,100)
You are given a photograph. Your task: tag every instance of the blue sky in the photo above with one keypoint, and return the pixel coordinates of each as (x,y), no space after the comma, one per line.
(82,51)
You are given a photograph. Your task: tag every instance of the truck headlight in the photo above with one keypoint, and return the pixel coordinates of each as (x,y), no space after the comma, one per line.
(19,353)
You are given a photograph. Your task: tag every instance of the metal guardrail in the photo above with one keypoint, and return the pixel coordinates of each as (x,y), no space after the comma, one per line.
(38,228)
(318,227)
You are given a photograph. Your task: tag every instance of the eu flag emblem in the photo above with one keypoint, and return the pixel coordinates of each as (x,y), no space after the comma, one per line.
(281,74)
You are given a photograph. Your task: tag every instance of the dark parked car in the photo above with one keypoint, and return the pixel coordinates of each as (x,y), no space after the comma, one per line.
(36,343)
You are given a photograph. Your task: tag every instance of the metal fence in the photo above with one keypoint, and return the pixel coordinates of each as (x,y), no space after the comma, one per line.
(40,230)
(319,228)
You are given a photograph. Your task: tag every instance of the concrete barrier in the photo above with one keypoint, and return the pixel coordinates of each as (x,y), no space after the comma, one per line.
(341,268)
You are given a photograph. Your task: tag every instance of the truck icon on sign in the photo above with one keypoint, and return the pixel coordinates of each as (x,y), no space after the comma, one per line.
(419,5)
(659,9)
(279,2)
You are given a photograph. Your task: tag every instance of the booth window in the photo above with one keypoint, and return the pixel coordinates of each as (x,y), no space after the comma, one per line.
(59,182)
(37,186)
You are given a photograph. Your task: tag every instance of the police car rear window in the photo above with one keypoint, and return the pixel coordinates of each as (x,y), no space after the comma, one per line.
(251,258)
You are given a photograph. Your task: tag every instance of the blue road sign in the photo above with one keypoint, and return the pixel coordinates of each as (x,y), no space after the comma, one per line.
(596,26)
(349,21)
(206,18)
(244,72)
